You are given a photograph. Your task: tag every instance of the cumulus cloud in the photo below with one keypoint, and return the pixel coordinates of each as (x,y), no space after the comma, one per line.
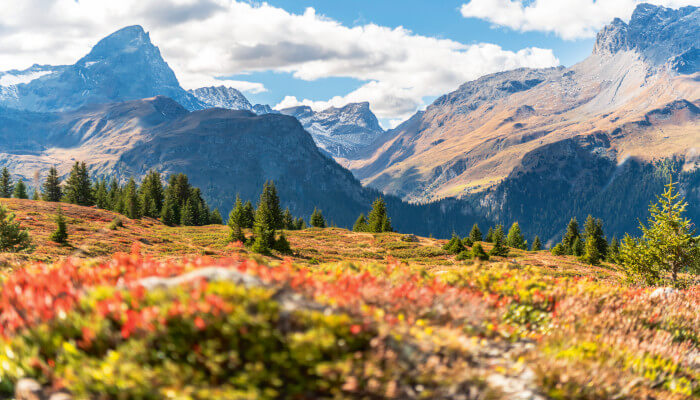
(206,39)
(568,19)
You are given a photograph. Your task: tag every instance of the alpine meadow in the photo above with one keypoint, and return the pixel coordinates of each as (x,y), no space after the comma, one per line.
(463,200)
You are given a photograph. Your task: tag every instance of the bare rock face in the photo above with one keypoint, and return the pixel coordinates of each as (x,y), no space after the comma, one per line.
(222,97)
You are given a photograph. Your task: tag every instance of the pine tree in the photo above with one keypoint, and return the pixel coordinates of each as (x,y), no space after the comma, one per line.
(499,248)
(269,196)
(151,195)
(60,235)
(300,224)
(558,250)
(591,255)
(593,231)
(188,214)
(515,237)
(288,219)
(282,244)
(215,217)
(475,234)
(577,248)
(489,236)
(101,195)
(668,243)
(35,195)
(236,222)
(377,220)
(613,254)
(20,191)
(536,244)
(12,238)
(6,184)
(113,195)
(248,215)
(478,252)
(317,220)
(455,245)
(168,214)
(263,229)
(360,224)
(52,186)
(78,186)
(467,242)
(570,236)
(132,208)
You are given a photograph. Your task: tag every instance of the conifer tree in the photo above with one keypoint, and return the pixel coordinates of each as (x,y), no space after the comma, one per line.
(236,222)
(317,220)
(300,224)
(248,215)
(360,224)
(475,234)
(78,188)
(489,236)
(269,196)
(60,235)
(499,248)
(35,195)
(467,242)
(478,252)
(558,250)
(215,217)
(570,236)
(52,186)
(591,255)
(593,231)
(282,244)
(536,244)
(613,254)
(101,195)
(12,238)
(168,214)
(151,195)
(188,214)
(668,243)
(263,229)
(20,191)
(6,185)
(515,237)
(288,219)
(577,248)
(377,220)
(132,208)
(455,245)
(113,195)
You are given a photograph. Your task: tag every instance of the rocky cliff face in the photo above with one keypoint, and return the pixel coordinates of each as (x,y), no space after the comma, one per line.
(342,131)
(122,66)
(222,97)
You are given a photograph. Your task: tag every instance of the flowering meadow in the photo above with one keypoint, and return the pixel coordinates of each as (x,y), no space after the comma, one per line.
(236,328)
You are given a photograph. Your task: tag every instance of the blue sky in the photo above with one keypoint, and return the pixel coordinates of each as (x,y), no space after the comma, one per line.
(440,18)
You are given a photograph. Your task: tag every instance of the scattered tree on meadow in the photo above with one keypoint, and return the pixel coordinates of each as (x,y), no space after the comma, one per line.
(269,196)
(20,191)
(78,188)
(132,207)
(6,185)
(300,224)
(101,195)
(12,237)
(360,224)
(455,245)
(475,234)
(515,238)
(613,254)
(377,220)
(596,246)
(60,235)
(288,220)
(248,215)
(263,228)
(236,222)
(478,252)
(215,217)
(570,236)
(35,195)
(489,236)
(577,248)
(52,186)
(668,243)
(499,247)
(282,244)
(536,244)
(317,220)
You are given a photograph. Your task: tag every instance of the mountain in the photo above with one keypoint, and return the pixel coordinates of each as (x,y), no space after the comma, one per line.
(633,101)
(224,152)
(339,131)
(123,66)
(222,97)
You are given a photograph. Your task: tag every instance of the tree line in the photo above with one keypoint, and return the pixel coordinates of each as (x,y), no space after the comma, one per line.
(175,203)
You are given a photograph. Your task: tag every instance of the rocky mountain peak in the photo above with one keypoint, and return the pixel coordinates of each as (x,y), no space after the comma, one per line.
(131,39)
(222,97)
(612,38)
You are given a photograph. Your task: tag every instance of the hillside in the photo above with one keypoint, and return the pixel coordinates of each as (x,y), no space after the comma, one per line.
(347,316)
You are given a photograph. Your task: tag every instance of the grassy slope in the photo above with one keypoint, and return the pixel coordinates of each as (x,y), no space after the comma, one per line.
(89,237)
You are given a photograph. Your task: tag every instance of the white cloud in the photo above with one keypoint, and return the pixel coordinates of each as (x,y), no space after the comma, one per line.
(206,39)
(569,19)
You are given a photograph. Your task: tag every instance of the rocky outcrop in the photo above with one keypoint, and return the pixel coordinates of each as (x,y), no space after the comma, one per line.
(222,97)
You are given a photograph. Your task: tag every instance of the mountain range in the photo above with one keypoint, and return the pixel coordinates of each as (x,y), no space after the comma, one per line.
(533,145)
